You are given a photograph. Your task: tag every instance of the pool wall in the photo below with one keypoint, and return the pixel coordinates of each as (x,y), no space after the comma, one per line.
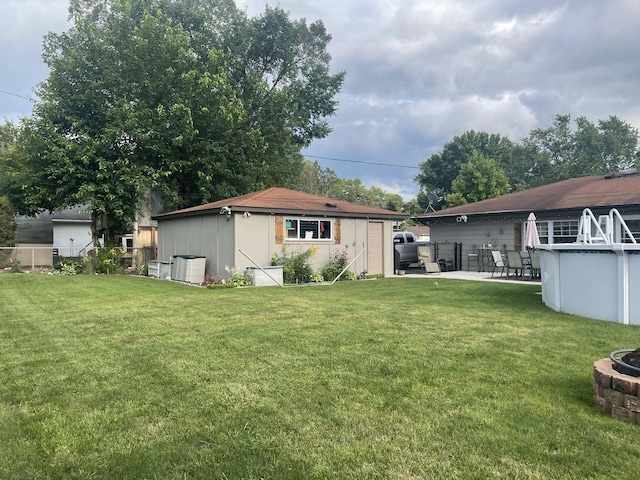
(594,281)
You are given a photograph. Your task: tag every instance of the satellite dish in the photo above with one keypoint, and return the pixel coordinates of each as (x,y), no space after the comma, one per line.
(432,198)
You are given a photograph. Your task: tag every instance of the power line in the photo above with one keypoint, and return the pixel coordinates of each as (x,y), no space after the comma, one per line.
(361,161)
(14,94)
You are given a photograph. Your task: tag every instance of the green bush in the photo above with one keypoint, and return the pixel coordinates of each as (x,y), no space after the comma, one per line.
(338,261)
(69,267)
(295,267)
(107,260)
(237,278)
(16,266)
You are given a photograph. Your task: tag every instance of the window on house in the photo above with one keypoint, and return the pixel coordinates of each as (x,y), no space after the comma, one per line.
(634,227)
(565,231)
(304,229)
(543,231)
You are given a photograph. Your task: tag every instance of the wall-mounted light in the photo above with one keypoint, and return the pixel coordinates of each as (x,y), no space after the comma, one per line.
(226,211)
(246,214)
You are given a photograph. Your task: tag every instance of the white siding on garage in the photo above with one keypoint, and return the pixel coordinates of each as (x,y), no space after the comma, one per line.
(70,238)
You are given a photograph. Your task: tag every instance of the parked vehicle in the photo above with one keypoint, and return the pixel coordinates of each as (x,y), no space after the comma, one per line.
(406,245)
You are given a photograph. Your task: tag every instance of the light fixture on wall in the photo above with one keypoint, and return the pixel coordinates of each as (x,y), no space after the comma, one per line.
(246,214)
(226,211)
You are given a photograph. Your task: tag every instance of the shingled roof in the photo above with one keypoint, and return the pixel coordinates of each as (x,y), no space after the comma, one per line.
(609,191)
(284,201)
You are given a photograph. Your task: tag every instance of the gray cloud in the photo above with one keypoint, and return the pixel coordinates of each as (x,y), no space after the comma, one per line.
(422,71)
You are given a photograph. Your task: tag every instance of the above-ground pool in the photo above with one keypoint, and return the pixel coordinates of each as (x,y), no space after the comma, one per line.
(598,276)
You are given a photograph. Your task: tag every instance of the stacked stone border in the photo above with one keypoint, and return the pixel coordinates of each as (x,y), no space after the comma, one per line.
(615,393)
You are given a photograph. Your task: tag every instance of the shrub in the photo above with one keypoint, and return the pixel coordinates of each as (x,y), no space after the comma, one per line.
(108,259)
(69,267)
(338,261)
(295,267)
(16,266)
(237,278)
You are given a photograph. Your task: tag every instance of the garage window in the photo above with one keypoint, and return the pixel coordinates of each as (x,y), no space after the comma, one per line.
(305,229)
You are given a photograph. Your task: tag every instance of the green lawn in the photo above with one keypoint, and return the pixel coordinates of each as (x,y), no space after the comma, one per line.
(135,378)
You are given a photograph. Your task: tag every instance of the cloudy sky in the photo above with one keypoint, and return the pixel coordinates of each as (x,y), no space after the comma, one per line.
(419,72)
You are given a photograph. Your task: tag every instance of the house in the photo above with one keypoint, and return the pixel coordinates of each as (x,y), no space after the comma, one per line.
(249,230)
(42,238)
(421,232)
(499,223)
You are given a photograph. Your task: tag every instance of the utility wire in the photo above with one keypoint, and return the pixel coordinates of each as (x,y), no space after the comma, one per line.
(310,156)
(14,94)
(361,161)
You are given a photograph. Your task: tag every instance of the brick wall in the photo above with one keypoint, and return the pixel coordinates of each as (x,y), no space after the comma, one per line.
(615,393)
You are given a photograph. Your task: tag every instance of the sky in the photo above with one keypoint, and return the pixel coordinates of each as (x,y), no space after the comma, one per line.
(418,72)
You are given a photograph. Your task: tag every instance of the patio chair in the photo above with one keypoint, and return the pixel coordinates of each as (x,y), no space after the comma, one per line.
(424,257)
(498,262)
(473,254)
(534,264)
(514,262)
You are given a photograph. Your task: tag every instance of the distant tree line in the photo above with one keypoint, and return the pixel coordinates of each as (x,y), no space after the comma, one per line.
(478,165)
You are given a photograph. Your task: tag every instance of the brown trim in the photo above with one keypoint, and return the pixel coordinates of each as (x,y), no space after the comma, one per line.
(336,231)
(279,230)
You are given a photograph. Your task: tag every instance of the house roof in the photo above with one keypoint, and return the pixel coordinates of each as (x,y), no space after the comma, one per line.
(277,200)
(39,228)
(598,191)
(419,229)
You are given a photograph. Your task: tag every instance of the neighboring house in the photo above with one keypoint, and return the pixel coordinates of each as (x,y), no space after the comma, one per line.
(46,235)
(422,232)
(239,231)
(499,223)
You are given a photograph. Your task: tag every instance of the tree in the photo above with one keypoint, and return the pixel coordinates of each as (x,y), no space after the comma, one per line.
(191,98)
(480,178)
(317,180)
(610,146)
(7,224)
(439,171)
(8,138)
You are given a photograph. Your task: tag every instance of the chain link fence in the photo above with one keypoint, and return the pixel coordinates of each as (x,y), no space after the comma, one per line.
(27,257)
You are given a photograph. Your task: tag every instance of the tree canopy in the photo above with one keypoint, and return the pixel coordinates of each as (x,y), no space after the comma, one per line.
(480,178)
(188,97)
(7,225)
(545,156)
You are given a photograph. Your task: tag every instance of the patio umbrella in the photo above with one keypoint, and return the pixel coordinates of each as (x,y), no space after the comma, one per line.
(533,240)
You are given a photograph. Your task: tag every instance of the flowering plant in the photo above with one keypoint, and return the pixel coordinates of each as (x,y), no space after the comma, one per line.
(338,260)
(296,268)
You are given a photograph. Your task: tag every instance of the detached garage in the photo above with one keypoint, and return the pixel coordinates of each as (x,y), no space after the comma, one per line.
(239,231)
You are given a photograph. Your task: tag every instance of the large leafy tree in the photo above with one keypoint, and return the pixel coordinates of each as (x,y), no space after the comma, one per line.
(7,225)
(439,171)
(588,149)
(480,178)
(189,97)
(545,156)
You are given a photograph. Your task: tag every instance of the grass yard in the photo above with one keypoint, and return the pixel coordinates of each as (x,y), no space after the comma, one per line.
(109,377)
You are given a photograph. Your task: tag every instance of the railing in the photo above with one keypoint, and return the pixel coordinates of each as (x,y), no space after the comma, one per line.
(609,234)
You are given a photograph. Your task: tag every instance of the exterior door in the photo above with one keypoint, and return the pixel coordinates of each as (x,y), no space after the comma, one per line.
(376,242)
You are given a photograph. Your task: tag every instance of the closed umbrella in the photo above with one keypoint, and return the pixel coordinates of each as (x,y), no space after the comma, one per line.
(533,240)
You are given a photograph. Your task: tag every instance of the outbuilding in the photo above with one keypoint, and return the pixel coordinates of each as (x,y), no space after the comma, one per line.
(249,230)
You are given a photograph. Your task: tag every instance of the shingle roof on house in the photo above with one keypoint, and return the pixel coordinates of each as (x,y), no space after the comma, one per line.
(284,201)
(598,191)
